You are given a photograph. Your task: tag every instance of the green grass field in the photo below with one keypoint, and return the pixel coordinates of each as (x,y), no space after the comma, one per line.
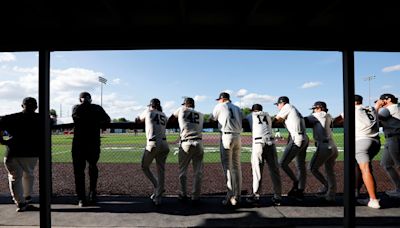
(128,148)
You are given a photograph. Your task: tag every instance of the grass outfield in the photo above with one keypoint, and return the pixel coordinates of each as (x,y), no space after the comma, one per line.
(128,148)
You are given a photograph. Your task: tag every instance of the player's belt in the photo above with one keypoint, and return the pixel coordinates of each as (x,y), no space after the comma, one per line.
(257,138)
(156,139)
(185,140)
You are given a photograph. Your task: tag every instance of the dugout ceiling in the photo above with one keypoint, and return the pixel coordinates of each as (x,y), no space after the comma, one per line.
(28,25)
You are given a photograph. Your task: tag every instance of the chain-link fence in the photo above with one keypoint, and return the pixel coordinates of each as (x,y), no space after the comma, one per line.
(122,149)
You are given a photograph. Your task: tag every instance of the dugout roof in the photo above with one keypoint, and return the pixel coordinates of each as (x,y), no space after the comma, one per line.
(233,24)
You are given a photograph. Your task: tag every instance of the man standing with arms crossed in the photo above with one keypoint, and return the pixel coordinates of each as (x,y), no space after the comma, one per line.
(23,148)
(88,119)
(229,118)
(191,146)
(264,149)
(296,147)
(389,114)
(156,147)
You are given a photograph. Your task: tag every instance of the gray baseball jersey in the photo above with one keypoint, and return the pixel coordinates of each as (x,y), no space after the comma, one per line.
(229,117)
(190,123)
(294,123)
(321,122)
(155,123)
(260,123)
(366,122)
(390,119)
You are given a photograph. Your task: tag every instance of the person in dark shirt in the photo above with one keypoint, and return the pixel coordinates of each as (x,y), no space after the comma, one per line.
(89,119)
(22,151)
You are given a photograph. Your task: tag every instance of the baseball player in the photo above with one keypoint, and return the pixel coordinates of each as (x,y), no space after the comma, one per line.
(156,146)
(229,118)
(23,148)
(367,146)
(389,115)
(191,146)
(296,147)
(326,152)
(88,120)
(264,149)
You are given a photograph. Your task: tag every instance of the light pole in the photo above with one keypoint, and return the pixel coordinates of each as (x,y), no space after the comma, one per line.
(102,81)
(369,79)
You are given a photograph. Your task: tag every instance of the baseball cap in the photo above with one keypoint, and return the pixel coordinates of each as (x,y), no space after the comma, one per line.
(188,100)
(257,107)
(155,102)
(358,98)
(224,95)
(29,101)
(319,104)
(284,99)
(85,95)
(387,96)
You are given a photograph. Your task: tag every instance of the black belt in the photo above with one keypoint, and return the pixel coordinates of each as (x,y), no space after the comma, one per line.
(392,135)
(185,140)
(156,139)
(257,138)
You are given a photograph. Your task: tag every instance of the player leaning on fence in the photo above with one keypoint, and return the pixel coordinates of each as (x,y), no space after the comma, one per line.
(296,147)
(22,151)
(389,115)
(156,147)
(88,120)
(229,118)
(191,147)
(263,149)
(326,152)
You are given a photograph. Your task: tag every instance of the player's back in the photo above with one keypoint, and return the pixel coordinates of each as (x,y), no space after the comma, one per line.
(366,122)
(260,123)
(190,123)
(229,117)
(155,124)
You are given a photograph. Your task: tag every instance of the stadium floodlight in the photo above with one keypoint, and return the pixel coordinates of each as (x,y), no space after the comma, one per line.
(369,79)
(102,81)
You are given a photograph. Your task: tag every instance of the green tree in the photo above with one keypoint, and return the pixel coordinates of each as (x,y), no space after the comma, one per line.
(246,111)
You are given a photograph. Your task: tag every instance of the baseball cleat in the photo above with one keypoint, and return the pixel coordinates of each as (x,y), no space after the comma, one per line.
(276,201)
(253,199)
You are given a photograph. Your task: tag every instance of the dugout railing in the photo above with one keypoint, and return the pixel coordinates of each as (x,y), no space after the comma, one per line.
(122,146)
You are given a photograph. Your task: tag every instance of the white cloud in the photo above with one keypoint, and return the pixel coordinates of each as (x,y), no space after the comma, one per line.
(30,70)
(391,68)
(116,81)
(241,93)
(200,98)
(74,79)
(7,57)
(309,85)
(252,98)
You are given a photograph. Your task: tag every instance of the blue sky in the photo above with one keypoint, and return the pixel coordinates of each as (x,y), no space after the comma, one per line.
(135,77)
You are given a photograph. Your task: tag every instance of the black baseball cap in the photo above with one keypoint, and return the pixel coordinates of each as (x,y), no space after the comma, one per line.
(223,95)
(358,98)
(257,107)
(282,99)
(387,96)
(85,95)
(319,104)
(189,101)
(29,101)
(154,102)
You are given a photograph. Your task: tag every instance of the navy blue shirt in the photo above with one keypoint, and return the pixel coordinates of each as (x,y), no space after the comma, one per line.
(24,136)
(88,119)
